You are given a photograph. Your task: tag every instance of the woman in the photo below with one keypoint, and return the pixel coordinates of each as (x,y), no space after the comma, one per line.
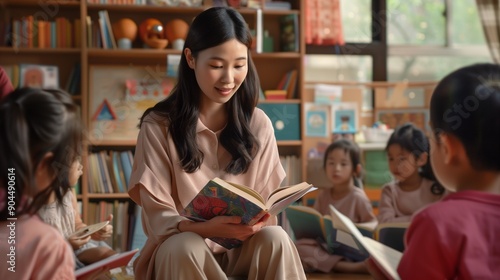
(209,127)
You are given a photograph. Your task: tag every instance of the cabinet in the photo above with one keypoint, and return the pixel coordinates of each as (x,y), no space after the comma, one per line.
(271,66)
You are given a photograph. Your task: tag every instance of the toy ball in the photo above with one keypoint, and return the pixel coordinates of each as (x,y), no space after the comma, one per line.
(152,34)
(125,28)
(176,29)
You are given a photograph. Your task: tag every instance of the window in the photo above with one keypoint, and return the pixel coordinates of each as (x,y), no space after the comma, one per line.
(329,68)
(430,38)
(356,20)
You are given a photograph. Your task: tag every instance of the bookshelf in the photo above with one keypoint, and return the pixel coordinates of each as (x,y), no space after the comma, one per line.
(90,58)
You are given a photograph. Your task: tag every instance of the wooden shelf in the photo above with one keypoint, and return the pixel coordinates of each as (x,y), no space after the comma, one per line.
(31,3)
(287,101)
(107,195)
(11,50)
(145,8)
(280,55)
(290,143)
(136,53)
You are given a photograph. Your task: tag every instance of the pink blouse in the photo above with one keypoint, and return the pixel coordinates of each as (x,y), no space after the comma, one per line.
(41,252)
(397,205)
(161,187)
(355,205)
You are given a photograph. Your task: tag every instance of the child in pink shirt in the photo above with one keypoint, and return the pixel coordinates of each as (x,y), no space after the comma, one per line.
(342,165)
(39,132)
(414,185)
(40,136)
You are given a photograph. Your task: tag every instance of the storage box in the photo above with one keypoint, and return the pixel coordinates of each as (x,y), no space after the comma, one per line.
(285,119)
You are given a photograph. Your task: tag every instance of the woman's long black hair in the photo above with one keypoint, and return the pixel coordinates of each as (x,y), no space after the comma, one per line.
(211,28)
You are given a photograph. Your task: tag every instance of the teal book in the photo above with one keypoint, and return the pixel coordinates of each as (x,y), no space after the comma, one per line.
(307,222)
(285,118)
(222,198)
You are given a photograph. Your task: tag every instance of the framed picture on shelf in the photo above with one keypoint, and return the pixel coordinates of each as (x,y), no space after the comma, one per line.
(39,76)
(396,117)
(344,118)
(317,116)
(119,95)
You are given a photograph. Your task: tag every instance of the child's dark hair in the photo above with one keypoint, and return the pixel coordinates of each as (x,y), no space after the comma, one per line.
(34,122)
(414,140)
(349,147)
(211,28)
(466,104)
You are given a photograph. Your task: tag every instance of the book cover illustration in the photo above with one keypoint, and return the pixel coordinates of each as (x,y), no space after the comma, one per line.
(214,200)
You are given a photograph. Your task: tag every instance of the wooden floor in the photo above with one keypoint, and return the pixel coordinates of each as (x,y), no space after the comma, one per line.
(337,276)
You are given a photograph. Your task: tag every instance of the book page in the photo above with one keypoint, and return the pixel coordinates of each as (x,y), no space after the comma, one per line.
(242,191)
(383,255)
(88,230)
(283,192)
(386,257)
(247,190)
(279,201)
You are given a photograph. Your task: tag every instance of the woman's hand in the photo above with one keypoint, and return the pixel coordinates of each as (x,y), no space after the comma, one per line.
(77,242)
(224,226)
(105,232)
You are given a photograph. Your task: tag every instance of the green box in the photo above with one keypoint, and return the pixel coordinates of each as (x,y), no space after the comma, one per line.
(285,119)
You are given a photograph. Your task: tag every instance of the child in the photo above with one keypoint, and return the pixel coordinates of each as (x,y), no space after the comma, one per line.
(64,217)
(457,238)
(414,185)
(342,166)
(40,136)
(209,127)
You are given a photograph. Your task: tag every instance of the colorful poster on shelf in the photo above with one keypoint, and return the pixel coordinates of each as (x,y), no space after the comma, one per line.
(316,120)
(120,95)
(344,118)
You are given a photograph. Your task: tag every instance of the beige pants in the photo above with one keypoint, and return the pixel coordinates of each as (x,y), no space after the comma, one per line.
(267,255)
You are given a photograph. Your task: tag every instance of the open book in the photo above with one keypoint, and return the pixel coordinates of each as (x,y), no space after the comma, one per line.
(307,222)
(117,260)
(88,230)
(386,258)
(222,198)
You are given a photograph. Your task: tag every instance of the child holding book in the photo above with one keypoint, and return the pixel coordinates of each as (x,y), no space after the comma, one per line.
(342,166)
(457,237)
(64,216)
(209,127)
(414,185)
(40,136)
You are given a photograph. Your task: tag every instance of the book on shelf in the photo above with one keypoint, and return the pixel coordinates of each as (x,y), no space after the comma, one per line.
(307,222)
(289,30)
(275,94)
(114,261)
(222,198)
(386,258)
